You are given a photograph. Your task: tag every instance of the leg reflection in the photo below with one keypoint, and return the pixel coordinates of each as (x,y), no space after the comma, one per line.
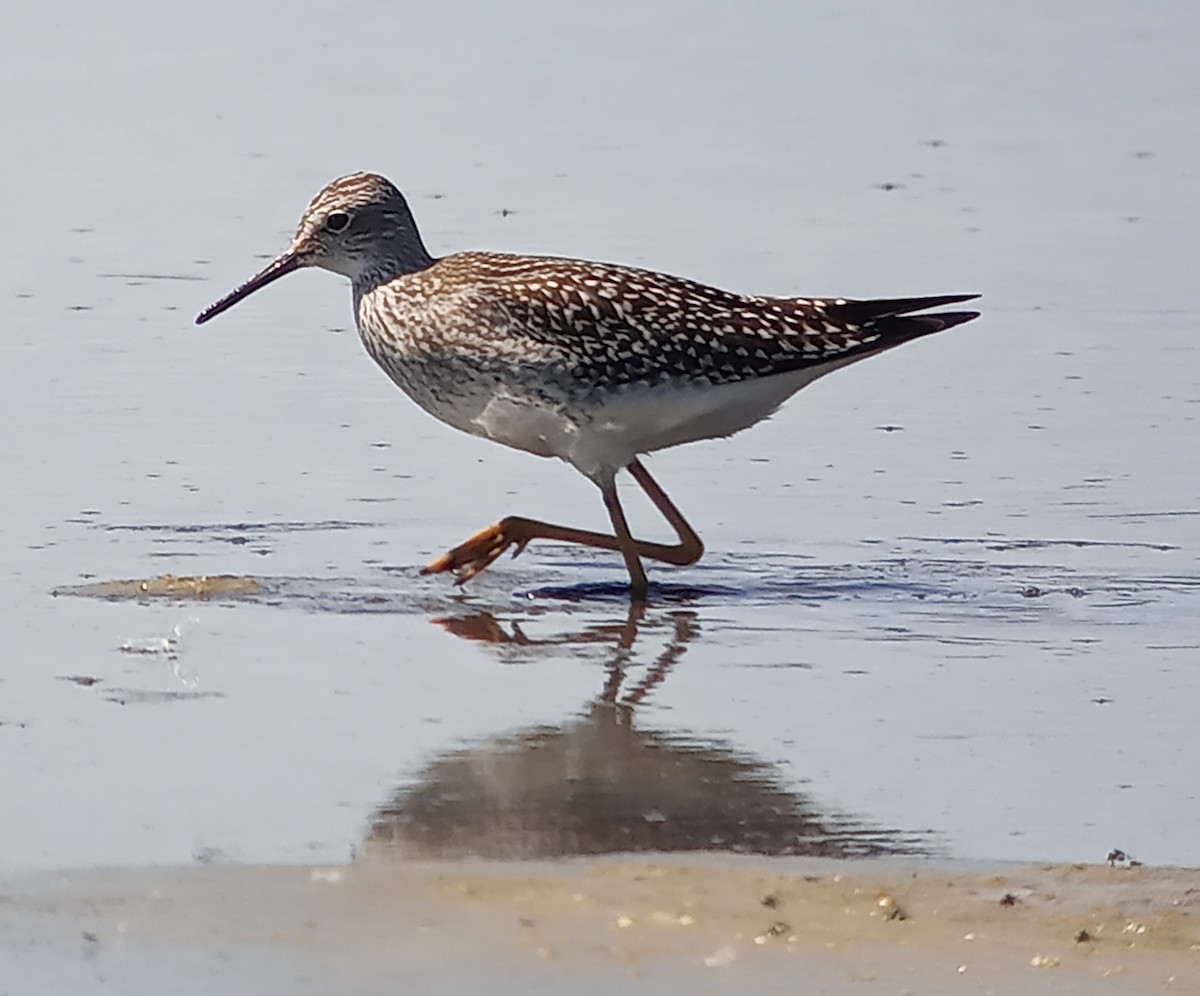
(606,779)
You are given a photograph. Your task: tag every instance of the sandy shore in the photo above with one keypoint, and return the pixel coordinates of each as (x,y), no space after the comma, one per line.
(697,925)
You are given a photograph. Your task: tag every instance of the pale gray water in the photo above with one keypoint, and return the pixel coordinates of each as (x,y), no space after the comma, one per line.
(951,600)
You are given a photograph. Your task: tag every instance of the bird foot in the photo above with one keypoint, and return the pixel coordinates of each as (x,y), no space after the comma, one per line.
(481,550)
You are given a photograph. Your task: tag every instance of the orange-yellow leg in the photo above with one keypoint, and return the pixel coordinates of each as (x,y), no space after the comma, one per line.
(481,550)
(689,549)
(639,584)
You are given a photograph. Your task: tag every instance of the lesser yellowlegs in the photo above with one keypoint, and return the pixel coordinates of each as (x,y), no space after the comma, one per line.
(592,363)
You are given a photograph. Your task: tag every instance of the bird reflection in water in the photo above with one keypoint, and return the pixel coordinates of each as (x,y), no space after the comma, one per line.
(602,783)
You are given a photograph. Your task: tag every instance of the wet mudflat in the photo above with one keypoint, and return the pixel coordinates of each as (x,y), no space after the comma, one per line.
(950,608)
(606,925)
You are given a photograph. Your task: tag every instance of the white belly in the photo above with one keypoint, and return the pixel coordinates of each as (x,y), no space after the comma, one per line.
(600,440)
(643,420)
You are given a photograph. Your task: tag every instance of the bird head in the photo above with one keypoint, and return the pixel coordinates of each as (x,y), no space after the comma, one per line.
(359,226)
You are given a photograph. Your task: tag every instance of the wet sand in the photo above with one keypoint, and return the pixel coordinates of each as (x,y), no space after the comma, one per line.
(697,924)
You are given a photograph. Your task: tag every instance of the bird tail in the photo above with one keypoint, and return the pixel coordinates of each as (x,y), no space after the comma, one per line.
(893,318)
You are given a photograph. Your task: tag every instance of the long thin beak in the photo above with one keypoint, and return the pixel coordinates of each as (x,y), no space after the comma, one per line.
(290,260)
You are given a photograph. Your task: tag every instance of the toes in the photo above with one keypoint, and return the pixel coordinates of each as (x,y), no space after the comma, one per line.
(442,563)
(473,556)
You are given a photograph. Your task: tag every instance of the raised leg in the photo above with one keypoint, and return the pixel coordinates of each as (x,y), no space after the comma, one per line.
(482,549)
(689,549)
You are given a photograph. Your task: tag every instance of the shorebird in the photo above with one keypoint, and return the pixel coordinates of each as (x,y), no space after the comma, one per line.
(593,363)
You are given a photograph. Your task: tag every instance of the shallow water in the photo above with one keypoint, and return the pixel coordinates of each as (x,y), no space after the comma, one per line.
(951,603)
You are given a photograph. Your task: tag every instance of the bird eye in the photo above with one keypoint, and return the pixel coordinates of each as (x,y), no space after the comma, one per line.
(338,221)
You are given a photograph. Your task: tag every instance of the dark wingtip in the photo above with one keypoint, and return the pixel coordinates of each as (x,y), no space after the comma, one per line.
(923,303)
(951,318)
(880,309)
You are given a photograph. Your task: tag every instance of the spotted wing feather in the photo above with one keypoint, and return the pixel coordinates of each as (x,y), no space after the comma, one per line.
(615,325)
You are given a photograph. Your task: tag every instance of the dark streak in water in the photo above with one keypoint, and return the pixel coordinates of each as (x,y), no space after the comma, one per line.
(1145,515)
(138,696)
(995,543)
(189,528)
(151,276)
(618,592)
